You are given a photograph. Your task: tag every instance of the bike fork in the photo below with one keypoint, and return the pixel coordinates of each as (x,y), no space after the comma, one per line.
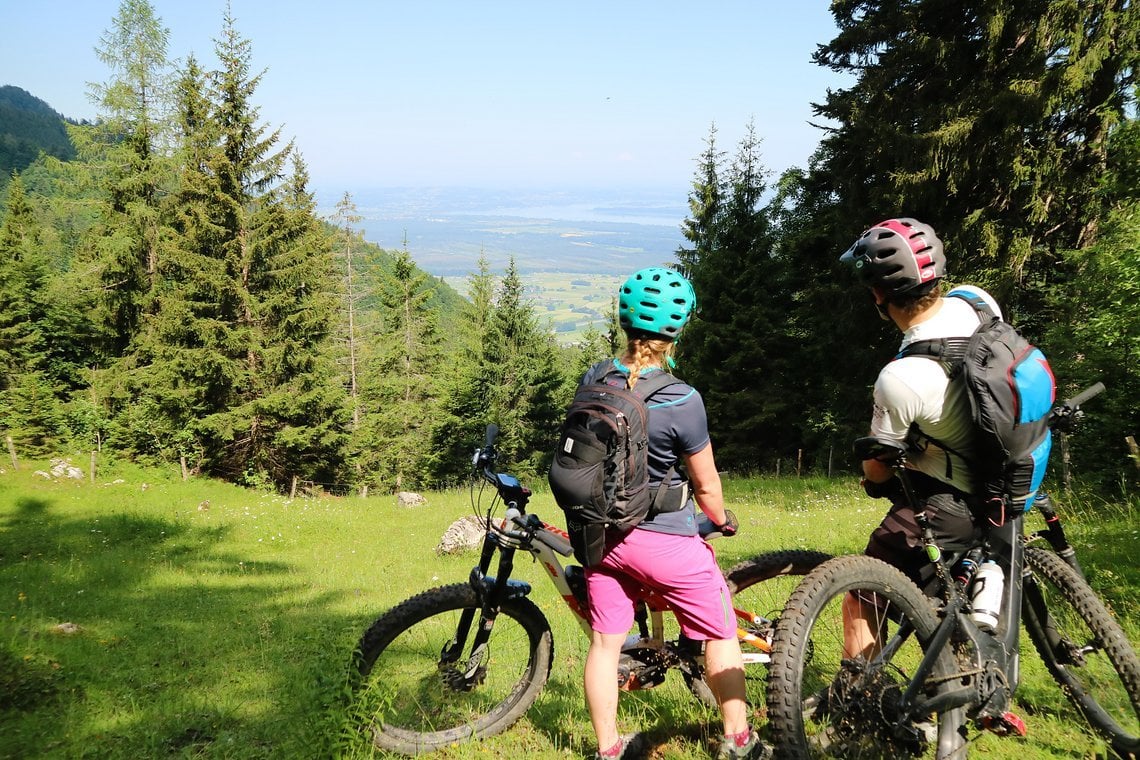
(491,592)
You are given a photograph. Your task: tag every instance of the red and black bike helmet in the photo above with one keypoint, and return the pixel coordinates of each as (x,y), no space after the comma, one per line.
(898,255)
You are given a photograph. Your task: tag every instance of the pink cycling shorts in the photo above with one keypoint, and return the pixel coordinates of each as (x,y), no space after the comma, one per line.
(682,569)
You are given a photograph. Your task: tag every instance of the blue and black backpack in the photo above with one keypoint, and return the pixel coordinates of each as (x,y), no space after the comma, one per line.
(1011,390)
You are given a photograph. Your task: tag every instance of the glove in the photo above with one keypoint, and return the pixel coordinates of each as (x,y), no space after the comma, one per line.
(731,526)
(888,489)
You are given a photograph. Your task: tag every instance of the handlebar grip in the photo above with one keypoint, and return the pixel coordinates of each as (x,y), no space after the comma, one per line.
(1085,395)
(555,542)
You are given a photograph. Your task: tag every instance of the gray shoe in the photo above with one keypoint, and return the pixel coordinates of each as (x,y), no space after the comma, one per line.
(754,749)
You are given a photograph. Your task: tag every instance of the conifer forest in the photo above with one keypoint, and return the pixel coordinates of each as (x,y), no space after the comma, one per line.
(169,294)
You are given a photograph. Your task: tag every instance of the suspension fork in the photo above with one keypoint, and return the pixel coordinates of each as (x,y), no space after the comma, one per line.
(491,591)
(1054,532)
(1039,623)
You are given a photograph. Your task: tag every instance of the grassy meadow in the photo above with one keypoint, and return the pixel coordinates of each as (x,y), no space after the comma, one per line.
(567,303)
(142,616)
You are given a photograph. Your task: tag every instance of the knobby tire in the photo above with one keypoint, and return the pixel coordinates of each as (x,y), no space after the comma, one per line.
(1103,680)
(413,705)
(821,704)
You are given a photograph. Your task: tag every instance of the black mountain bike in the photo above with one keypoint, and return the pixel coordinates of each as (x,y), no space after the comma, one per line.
(465,661)
(937,670)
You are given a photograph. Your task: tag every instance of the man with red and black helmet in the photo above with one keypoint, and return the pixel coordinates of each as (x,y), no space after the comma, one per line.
(903,263)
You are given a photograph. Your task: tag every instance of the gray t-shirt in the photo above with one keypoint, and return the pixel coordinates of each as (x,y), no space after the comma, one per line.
(677,426)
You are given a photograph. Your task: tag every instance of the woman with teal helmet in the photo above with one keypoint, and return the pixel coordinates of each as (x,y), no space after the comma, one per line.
(665,552)
(656,301)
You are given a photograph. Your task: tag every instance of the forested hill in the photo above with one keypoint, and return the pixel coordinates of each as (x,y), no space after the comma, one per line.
(173,296)
(28,126)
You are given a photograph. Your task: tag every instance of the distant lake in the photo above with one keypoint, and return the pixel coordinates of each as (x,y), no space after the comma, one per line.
(575,231)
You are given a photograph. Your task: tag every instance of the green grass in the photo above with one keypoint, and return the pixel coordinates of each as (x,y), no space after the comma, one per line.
(225,630)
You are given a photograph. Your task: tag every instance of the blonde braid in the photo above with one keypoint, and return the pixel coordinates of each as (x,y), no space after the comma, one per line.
(645,353)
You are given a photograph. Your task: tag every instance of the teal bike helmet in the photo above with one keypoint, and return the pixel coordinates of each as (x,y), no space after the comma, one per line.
(656,302)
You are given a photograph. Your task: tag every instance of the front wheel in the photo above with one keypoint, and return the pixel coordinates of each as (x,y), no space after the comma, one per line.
(823,703)
(412,702)
(1084,649)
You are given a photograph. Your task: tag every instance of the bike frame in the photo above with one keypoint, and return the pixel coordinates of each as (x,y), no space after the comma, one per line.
(989,686)
(520,530)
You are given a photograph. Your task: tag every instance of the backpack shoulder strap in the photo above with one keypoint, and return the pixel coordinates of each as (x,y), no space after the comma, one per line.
(655,382)
(951,351)
(948,351)
(985,312)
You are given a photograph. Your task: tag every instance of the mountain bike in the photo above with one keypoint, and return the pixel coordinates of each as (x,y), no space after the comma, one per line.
(936,670)
(466,660)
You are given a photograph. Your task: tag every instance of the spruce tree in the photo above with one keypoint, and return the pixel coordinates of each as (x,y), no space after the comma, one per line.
(462,410)
(514,383)
(734,350)
(29,410)
(401,394)
(235,367)
(131,141)
(988,120)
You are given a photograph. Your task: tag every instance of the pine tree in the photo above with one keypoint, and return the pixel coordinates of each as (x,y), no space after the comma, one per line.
(402,393)
(989,120)
(131,147)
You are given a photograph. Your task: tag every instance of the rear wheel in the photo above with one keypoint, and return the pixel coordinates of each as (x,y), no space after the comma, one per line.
(412,702)
(822,703)
(1084,649)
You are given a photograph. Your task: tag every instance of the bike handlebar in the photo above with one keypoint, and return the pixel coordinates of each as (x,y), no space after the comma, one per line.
(1075,402)
(1065,415)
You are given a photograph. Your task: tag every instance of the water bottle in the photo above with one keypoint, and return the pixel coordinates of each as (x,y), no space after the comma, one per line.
(985,595)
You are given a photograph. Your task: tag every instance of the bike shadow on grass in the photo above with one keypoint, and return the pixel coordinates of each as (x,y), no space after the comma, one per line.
(658,718)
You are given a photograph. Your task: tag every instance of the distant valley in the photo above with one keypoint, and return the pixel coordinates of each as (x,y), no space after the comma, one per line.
(572,248)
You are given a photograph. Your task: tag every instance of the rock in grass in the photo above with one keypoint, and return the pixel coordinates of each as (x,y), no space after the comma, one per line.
(410,499)
(465,534)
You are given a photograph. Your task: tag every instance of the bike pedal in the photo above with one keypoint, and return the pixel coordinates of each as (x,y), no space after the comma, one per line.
(1006,724)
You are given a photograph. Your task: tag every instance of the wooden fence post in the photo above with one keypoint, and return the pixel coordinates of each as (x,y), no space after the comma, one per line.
(1134,450)
(12,453)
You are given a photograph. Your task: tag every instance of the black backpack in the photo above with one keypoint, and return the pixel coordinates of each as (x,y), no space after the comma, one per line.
(600,473)
(1011,390)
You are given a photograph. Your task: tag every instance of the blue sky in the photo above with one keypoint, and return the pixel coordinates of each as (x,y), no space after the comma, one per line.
(499,93)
